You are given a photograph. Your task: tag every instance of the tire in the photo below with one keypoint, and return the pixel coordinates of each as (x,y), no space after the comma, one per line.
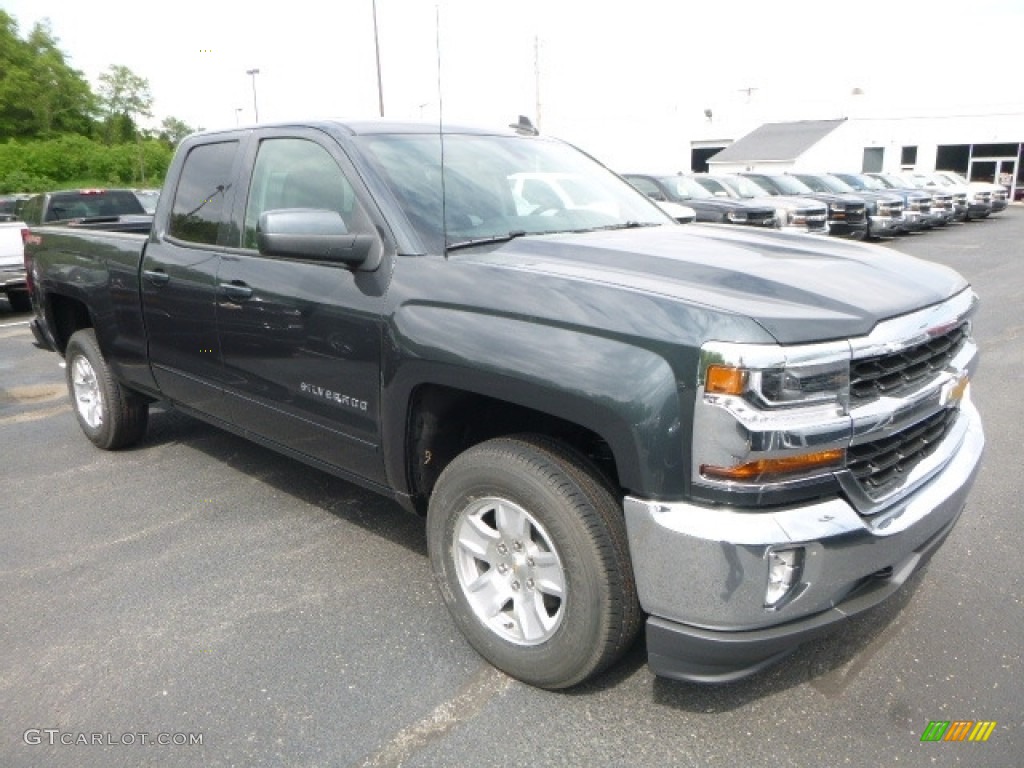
(19,301)
(111,416)
(528,545)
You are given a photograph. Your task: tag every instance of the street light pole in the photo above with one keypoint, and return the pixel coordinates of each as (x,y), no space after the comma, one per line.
(252,73)
(238,116)
(376,45)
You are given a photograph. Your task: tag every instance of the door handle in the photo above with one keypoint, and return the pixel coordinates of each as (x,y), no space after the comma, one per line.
(156,276)
(236,291)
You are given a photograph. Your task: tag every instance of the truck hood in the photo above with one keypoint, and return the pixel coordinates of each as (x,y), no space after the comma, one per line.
(799,288)
(725,204)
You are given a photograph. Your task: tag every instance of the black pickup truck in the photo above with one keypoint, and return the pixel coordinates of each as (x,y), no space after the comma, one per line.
(742,437)
(108,209)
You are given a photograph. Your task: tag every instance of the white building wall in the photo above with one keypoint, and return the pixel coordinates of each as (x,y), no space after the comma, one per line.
(843,148)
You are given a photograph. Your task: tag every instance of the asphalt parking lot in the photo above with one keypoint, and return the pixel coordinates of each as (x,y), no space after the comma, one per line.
(199,588)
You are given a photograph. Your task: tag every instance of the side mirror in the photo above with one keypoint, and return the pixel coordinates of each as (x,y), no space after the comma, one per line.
(308,233)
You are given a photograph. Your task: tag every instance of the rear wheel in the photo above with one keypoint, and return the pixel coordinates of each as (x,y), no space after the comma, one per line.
(529,549)
(19,301)
(111,416)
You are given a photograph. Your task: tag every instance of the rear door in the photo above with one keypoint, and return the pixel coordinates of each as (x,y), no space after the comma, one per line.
(301,338)
(179,277)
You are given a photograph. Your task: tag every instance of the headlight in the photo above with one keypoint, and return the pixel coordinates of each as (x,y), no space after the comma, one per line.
(788,387)
(768,415)
(737,217)
(794,217)
(837,207)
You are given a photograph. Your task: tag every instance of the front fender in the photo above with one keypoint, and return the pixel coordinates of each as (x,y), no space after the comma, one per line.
(625,393)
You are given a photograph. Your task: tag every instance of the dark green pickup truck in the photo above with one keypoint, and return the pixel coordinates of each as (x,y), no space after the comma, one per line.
(740,437)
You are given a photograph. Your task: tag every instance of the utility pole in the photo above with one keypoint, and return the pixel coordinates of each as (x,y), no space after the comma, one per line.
(376,46)
(536,77)
(252,73)
(749,92)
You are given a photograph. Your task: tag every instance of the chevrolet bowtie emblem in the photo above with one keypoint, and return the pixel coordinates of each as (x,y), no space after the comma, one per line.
(954,391)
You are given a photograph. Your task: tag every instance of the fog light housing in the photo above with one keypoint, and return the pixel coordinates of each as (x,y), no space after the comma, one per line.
(785,567)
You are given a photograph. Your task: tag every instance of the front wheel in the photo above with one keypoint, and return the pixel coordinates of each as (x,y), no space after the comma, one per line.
(110,416)
(529,549)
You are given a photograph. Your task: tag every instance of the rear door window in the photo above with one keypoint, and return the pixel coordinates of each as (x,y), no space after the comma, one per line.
(199,201)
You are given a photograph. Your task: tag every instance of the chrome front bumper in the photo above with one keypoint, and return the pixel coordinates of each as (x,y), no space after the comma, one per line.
(885,225)
(702,571)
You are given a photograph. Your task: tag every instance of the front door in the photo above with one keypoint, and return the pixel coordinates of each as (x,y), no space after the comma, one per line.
(302,338)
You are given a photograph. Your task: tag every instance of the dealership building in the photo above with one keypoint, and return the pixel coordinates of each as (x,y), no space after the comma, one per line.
(982,147)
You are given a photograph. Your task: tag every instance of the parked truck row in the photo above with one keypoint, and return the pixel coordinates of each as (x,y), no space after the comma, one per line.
(850,205)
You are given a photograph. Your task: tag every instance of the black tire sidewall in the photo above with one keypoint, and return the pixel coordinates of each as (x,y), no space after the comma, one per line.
(83,344)
(571,654)
(19,301)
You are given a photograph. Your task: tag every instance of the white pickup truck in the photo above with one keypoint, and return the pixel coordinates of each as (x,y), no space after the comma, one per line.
(12,266)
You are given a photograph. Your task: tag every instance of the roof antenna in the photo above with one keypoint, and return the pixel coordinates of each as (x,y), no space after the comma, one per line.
(440,130)
(524,127)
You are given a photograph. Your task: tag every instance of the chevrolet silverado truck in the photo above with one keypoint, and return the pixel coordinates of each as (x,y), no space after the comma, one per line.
(677,188)
(741,437)
(847,213)
(884,211)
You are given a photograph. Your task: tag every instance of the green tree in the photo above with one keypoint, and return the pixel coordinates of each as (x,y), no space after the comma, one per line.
(15,75)
(123,94)
(125,98)
(172,130)
(40,94)
(60,99)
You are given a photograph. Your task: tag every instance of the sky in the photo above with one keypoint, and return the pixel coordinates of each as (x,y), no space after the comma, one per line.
(629,82)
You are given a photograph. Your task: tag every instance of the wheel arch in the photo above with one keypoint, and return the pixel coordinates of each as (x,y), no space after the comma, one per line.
(443,421)
(65,315)
(628,427)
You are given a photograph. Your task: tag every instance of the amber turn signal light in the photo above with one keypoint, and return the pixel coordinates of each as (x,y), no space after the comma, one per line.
(723,380)
(786,465)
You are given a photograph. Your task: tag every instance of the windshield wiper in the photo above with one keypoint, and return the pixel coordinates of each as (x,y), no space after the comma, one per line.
(486,240)
(624,225)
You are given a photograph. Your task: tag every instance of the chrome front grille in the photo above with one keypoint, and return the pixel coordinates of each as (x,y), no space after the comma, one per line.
(855,214)
(880,465)
(894,373)
(814,216)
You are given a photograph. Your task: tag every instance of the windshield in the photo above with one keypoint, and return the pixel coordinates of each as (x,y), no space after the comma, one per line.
(857,183)
(828,183)
(496,187)
(904,182)
(685,188)
(743,187)
(887,182)
(921,180)
(786,185)
(714,186)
